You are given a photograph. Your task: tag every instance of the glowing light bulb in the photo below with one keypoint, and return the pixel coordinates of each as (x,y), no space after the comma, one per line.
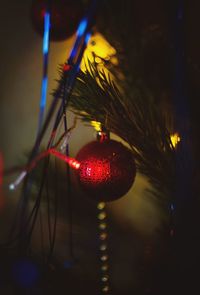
(96,125)
(19,179)
(175,139)
(99,48)
(82,27)
(11,187)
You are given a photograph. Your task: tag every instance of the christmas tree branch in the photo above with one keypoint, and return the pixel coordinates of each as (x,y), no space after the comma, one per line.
(133,116)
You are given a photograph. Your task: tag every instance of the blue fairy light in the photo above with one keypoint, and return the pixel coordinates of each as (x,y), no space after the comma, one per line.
(46,33)
(82,27)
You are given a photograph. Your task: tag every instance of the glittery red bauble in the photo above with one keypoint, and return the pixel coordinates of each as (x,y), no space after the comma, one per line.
(65,17)
(107,169)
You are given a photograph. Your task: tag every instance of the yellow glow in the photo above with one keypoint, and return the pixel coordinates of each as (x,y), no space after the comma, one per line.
(99,48)
(102,50)
(96,125)
(175,139)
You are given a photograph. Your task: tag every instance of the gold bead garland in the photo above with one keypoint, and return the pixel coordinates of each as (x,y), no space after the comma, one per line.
(103,247)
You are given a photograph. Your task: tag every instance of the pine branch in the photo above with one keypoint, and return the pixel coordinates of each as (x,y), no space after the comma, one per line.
(127,102)
(134,117)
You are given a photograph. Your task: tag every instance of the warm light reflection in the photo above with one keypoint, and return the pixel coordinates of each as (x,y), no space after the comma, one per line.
(175,139)
(102,215)
(101,205)
(101,49)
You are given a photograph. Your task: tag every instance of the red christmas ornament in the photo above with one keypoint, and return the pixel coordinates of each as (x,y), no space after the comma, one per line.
(107,169)
(65,17)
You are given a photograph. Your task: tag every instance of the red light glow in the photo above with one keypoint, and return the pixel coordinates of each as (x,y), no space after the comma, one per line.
(95,171)
(72,163)
(66,67)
